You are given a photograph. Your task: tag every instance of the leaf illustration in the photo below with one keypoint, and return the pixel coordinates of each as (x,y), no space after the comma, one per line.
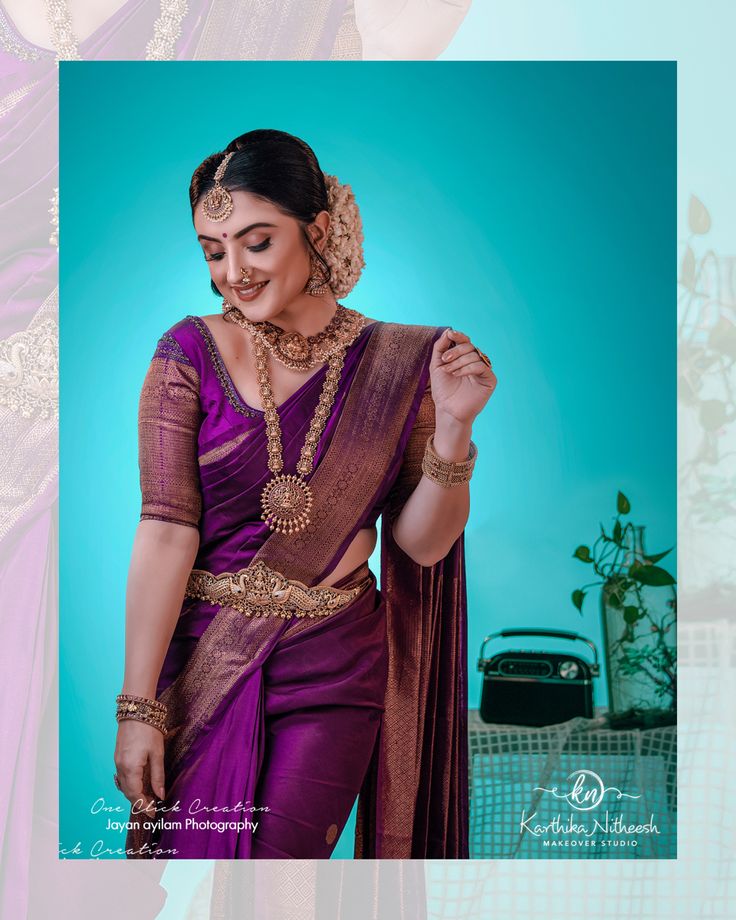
(698,217)
(687,268)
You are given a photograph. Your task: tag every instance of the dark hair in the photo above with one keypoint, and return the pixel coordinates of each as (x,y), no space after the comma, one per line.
(276,167)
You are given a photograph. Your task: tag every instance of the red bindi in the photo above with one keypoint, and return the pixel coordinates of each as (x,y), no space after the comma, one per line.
(224,234)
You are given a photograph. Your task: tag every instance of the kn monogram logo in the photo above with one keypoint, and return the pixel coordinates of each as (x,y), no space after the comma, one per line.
(588,791)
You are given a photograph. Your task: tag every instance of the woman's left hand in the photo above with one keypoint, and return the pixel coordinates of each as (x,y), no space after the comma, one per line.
(462,383)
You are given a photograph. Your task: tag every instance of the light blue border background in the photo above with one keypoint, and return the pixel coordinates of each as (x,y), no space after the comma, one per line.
(530,205)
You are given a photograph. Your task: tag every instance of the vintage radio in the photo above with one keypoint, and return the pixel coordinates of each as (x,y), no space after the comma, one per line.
(532,687)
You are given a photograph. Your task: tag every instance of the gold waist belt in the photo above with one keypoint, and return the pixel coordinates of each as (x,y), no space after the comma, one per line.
(261,591)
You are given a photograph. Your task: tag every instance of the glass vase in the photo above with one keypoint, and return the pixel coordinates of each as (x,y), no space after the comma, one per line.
(639,634)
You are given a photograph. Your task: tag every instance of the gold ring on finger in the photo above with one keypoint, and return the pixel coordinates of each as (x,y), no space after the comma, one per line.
(484,358)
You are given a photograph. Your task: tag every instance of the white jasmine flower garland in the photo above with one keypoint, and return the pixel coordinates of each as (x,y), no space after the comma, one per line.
(344,249)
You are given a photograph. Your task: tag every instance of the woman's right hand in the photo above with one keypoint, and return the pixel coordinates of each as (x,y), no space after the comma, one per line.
(139,762)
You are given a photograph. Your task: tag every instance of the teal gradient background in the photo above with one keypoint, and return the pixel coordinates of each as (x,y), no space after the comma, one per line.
(530,205)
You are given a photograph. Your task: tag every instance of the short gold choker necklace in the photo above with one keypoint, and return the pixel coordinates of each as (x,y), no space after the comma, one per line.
(297,351)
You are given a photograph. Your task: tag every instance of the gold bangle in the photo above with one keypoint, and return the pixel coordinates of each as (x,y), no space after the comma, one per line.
(447,473)
(142,709)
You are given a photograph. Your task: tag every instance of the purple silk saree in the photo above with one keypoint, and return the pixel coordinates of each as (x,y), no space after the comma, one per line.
(279,723)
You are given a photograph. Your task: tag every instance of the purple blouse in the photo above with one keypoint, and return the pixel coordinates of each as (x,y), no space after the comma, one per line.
(202,448)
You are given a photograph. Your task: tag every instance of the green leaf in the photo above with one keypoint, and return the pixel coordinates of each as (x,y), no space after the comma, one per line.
(623,506)
(651,575)
(582,553)
(657,556)
(613,600)
(577,599)
(617,531)
(631,614)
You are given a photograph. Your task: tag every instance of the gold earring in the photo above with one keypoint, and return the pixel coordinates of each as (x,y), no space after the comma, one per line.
(317,283)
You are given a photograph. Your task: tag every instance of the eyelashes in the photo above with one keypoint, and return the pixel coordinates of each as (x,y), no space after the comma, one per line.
(261,247)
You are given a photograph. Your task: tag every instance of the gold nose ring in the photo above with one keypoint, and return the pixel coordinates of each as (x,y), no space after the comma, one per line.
(245,274)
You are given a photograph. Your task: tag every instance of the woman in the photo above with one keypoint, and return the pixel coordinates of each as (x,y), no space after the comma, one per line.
(267,680)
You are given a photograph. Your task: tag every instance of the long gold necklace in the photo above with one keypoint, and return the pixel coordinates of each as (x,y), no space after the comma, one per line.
(297,351)
(286,499)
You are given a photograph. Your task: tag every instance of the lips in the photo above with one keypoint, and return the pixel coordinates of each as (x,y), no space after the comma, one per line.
(247,293)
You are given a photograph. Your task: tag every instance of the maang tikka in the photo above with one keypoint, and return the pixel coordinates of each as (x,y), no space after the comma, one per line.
(217,204)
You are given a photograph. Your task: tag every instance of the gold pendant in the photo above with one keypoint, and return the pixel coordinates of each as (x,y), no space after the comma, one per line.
(294,347)
(217,204)
(286,502)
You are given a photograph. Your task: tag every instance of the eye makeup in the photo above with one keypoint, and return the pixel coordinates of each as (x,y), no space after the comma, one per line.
(260,247)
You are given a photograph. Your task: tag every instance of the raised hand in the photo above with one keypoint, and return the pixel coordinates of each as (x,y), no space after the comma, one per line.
(462,382)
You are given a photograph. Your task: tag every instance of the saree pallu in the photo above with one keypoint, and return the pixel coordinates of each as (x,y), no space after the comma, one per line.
(284,721)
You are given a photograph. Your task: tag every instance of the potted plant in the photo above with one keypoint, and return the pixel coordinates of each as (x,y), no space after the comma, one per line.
(639,617)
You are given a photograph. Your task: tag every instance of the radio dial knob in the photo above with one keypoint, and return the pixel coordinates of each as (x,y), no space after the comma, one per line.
(569,670)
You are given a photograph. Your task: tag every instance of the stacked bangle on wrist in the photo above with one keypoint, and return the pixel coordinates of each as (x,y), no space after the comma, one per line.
(142,709)
(447,473)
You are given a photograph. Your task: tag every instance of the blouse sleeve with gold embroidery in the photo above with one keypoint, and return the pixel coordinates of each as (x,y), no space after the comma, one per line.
(169,418)
(410,471)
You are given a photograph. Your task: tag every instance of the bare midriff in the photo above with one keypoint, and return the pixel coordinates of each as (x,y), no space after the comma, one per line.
(232,342)
(358,552)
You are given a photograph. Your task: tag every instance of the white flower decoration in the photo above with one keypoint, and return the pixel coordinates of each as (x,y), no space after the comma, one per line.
(344,249)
